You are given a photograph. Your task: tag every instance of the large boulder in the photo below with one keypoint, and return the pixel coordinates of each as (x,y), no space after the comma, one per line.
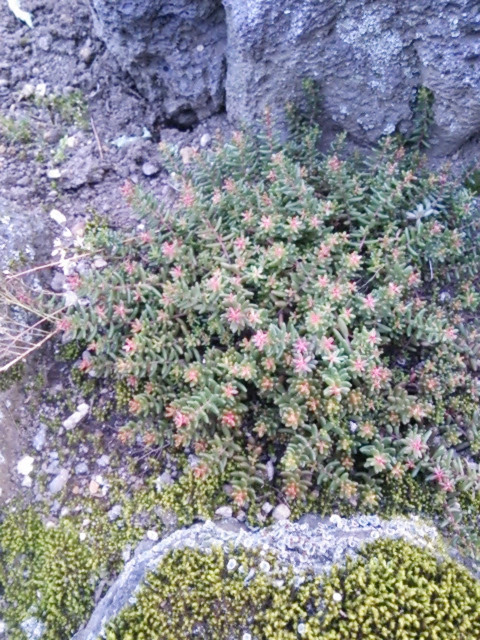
(368,58)
(174,51)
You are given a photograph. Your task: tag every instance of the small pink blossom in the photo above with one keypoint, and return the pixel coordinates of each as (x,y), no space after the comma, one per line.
(260,340)
(301,345)
(230,419)
(369,302)
(181,419)
(234,314)
(353,260)
(303,363)
(327,343)
(240,243)
(380,461)
(322,281)
(359,365)
(324,251)
(266,223)
(295,224)
(130,345)
(177,272)
(169,249)
(451,333)
(229,390)
(315,319)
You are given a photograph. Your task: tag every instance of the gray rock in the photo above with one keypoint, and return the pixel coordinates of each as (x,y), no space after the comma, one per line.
(86,52)
(40,437)
(150,169)
(300,546)
(173,51)
(224,512)
(33,628)
(281,512)
(115,512)
(82,168)
(81,468)
(45,42)
(368,59)
(59,482)
(103,461)
(57,282)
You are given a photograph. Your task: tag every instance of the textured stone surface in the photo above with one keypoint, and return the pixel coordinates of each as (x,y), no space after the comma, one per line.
(174,50)
(314,543)
(368,58)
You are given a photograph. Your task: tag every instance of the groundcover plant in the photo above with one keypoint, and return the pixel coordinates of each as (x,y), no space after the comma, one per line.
(298,318)
(297,327)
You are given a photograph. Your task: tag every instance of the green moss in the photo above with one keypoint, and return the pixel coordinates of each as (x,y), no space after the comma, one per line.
(12,376)
(393,590)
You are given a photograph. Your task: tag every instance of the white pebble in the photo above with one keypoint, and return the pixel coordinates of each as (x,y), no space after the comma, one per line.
(25,465)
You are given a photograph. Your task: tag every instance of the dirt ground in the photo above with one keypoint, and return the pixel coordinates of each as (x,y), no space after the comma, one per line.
(72,130)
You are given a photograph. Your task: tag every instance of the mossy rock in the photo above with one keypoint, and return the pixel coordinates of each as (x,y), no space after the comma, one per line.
(392,590)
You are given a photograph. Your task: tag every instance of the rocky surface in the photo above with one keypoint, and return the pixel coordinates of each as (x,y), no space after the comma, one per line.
(368,59)
(312,543)
(173,51)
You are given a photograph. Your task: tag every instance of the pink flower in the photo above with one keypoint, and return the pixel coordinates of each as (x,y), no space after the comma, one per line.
(315,319)
(230,419)
(416,446)
(301,345)
(247,216)
(260,340)
(359,365)
(177,272)
(230,391)
(215,282)
(130,345)
(146,237)
(119,310)
(303,364)
(266,223)
(169,249)
(188,196)
(295,224)
(334,164)
(380,460)
(414,279)
(324,251)
(181,419)
(372,337)
(353,260)
(336,292)
(394,289)
(322,281)
(451,333)
(327,343)
(369,302)
(240,243)
(234,314)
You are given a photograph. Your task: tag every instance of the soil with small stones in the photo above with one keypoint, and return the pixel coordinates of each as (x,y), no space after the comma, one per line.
(72,130)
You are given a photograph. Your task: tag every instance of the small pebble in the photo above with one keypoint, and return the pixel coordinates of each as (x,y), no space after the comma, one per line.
(152,535)
(281,512)
(25,465)
(205,139)
(149,169)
